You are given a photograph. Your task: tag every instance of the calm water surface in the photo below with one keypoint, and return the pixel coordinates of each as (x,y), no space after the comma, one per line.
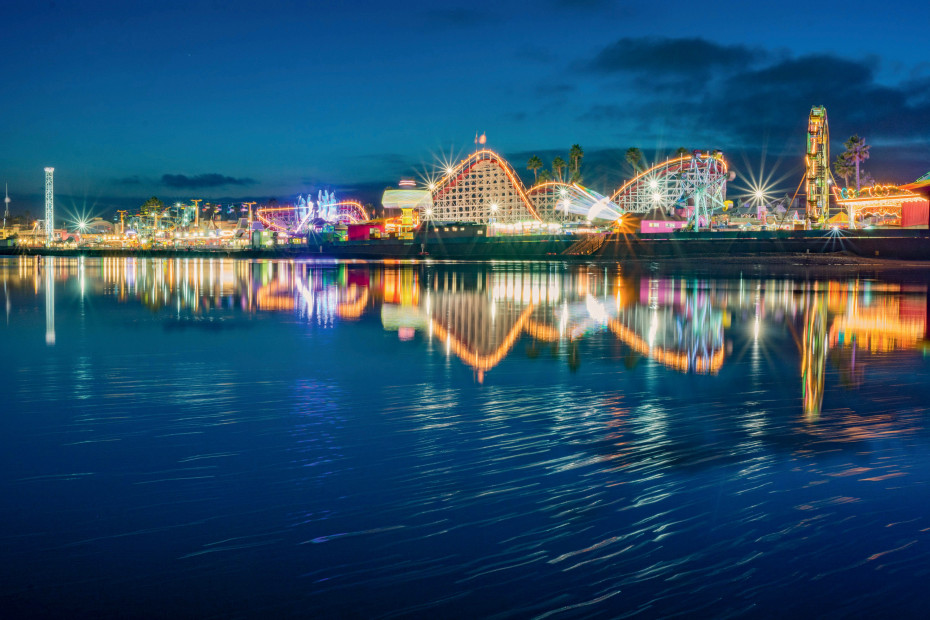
(234,438)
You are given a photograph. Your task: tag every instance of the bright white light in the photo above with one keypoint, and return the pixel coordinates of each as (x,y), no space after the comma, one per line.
(653,184)
(653,329)
(657,197)
(564,192)
(432,186)
(450,170)
(429,212)
(759,194)
(494,206)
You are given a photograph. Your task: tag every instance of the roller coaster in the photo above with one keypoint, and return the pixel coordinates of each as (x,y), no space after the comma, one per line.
(300,218)
(484,188)
(696,183)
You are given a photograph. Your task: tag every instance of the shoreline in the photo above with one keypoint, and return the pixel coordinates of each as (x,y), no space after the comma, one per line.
(717,246)
(826,264)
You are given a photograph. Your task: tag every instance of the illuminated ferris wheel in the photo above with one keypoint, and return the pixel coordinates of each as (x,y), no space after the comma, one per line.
(818,165)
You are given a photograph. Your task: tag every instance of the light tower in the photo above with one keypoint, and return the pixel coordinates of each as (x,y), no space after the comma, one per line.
(49,204)
(6,205)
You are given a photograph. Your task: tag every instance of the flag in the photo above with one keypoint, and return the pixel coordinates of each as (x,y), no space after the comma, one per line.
(483,139)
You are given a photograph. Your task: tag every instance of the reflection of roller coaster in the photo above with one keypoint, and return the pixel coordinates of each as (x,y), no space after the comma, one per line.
(484,188)
(294,220)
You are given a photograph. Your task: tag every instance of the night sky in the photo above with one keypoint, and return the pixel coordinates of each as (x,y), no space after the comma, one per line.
(250,100)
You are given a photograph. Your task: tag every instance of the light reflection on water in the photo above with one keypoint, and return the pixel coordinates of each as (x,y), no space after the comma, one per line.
(250,438)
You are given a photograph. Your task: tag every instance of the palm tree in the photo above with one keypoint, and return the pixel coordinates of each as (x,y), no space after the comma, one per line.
(681,152)
(634,157)
(558,164)
(857,151)
(844,168)
(534,164)
(544,176)
(575,154)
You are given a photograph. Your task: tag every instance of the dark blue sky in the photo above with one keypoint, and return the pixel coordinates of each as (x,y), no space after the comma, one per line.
(231,100)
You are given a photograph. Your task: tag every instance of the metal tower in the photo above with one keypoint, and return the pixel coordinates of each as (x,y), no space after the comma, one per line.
(6,204)
(49,204)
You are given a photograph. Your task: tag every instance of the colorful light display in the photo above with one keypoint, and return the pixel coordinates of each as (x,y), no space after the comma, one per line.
(888,202)
(697,183)
(817,160)
(298,219)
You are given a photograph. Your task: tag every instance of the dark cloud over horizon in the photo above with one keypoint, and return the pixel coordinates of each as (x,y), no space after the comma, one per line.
(182,181)
(738,96)
(652,55)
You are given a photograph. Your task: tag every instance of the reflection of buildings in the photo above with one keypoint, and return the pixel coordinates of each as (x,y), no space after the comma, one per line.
(685,338)
(482,322)
(890,323)
(814,355)
(50,301)
(482,314)
(479,333)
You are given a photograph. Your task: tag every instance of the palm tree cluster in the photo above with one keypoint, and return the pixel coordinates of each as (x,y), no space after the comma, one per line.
(575,155)
(847,163)
(635,158)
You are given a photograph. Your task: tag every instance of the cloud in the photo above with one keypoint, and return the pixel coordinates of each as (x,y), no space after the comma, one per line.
(734,96)
(855,101)
(684,56)
(182,181)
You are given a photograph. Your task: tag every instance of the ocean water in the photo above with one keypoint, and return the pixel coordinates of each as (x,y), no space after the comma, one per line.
(230,438)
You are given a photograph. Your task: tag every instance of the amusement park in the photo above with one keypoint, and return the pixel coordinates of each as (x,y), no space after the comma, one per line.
(482,197)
